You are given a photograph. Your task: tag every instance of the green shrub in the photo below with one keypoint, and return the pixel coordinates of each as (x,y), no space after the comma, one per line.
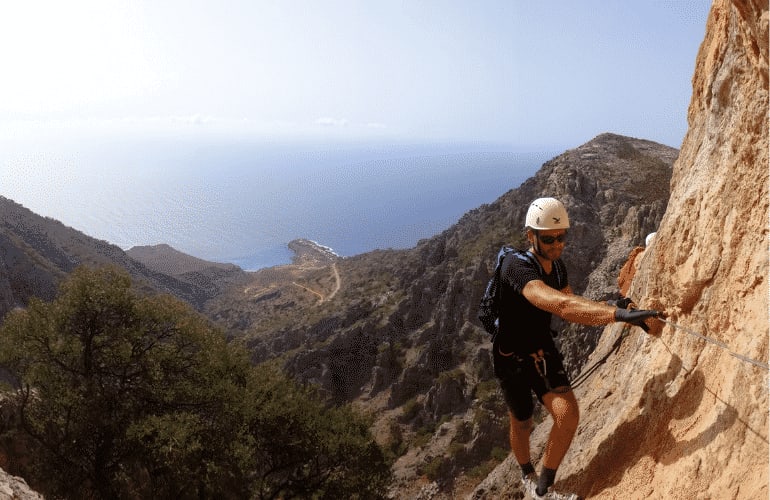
(410,410)
(423,436)
(126,396)
(499,454)
(482,470)
(396,445)
(487,390)
(435,468)
(455,449)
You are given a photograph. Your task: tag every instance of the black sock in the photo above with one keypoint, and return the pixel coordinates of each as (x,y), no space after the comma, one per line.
(526,469)
(546,479)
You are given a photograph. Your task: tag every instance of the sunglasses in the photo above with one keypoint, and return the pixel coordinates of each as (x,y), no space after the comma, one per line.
(550,240)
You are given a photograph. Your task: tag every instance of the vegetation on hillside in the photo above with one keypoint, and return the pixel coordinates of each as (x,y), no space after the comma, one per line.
(117,395)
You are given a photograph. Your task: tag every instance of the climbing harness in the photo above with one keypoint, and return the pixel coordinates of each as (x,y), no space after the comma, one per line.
(539,358)
(717,343)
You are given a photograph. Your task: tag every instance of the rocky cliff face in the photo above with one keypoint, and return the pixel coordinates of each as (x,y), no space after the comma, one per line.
(16,488)
(672,415)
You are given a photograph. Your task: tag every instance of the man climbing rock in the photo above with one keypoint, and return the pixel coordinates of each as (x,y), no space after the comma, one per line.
(533,286)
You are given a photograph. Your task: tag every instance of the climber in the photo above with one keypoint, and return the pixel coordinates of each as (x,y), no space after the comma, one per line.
(628,271)
(534,286)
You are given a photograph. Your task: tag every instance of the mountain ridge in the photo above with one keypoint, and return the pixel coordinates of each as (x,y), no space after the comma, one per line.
(37,252)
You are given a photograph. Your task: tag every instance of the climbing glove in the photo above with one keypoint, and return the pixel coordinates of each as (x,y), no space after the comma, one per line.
(636,316)
(622,302)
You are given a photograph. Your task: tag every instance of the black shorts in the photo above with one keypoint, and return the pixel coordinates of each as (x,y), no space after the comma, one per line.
(520,376)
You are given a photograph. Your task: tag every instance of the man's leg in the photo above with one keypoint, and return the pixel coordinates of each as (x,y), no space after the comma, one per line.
(520,431)
(563,407)
(519,438)
(516,388)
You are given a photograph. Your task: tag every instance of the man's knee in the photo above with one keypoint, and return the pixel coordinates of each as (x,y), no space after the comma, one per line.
(571,417)
(563,408)
(520,426)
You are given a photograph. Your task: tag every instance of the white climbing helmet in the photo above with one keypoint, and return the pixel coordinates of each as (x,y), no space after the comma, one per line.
(649,239)
(547,213)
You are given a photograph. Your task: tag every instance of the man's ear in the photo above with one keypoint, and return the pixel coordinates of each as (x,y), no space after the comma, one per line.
(531,236)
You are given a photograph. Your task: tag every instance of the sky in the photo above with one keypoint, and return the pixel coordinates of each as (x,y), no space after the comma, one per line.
(527,74)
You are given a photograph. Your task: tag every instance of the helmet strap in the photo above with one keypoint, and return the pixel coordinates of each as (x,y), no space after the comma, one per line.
(536,244)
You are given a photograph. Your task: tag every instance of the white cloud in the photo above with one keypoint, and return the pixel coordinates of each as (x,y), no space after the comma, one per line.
(328,121)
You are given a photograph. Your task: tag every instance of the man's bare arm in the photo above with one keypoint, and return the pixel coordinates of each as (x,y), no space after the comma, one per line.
(567,306)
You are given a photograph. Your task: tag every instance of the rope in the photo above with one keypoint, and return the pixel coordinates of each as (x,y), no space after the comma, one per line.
(717,343)
(580,379)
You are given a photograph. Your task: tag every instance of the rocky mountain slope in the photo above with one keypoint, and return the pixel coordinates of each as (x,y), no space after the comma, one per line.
(208,279)
(37,252)
(673,415)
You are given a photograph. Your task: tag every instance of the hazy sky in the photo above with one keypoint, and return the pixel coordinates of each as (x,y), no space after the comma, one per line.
(527,73)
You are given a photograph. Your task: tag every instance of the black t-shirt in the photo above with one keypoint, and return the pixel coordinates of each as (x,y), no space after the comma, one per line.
(523,327)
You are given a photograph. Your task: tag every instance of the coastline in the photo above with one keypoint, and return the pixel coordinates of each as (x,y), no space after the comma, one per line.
(311,252)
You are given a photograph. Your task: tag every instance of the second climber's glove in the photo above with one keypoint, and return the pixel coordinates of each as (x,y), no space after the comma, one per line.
(635,316)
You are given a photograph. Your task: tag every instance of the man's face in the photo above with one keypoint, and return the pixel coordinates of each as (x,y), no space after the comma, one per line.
(550,242)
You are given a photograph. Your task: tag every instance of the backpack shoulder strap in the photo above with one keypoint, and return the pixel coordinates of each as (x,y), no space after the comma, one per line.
(558,266)
(561,273)
(529,257)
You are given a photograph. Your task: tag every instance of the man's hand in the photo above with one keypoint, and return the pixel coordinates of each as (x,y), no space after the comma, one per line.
(635,316)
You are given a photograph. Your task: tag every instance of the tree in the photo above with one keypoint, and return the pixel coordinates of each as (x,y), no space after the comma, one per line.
(307,449)
(121,395)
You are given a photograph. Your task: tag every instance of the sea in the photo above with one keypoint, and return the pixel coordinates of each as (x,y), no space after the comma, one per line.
(242,201)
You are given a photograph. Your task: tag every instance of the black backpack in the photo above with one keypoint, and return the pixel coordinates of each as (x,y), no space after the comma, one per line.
(489,308)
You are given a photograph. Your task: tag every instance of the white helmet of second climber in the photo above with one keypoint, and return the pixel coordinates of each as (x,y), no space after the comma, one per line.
(547,213)
(649,239)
